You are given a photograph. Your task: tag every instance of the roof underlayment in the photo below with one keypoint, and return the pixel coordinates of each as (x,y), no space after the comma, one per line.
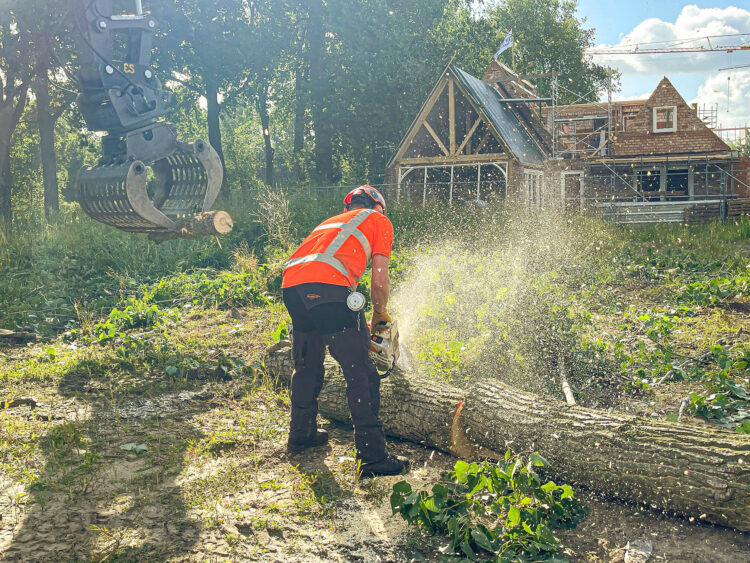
(523,147)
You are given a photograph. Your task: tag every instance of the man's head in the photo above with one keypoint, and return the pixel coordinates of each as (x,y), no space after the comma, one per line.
(365,197)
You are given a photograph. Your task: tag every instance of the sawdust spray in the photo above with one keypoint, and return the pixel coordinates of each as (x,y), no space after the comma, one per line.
(494,296)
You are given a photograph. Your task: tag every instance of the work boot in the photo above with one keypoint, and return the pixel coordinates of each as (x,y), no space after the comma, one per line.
(297,445)
(390,465)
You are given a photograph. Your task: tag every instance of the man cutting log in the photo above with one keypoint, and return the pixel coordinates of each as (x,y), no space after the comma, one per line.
(318,282)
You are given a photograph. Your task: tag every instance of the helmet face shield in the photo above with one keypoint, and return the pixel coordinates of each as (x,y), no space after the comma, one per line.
(370,193)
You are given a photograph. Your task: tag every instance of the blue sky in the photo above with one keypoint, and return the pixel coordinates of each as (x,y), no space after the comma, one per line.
(696,76)
(612,20)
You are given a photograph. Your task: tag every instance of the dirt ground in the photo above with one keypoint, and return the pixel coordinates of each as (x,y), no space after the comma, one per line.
(105,459)
(247,500)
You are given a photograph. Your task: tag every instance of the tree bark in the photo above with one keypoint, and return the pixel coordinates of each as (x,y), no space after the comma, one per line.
(11,108)
(46,123)
(214,130)
(693,470)
(300,87)
(319,87)
(6,185)
(265,124)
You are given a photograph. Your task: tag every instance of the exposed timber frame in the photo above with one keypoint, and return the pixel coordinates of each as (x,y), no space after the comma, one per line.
(404,171)
(454,151)
(460,149)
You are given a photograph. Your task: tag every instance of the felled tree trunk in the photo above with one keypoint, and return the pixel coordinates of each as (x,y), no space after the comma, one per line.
(215,222)
(692,470)
(17,337)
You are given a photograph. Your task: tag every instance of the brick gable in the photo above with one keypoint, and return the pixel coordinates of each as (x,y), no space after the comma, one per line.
(692,135)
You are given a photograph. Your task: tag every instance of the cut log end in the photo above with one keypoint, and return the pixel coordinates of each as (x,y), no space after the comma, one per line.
(208,223)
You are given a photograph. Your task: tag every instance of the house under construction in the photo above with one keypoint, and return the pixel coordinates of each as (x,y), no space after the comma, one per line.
(495,138)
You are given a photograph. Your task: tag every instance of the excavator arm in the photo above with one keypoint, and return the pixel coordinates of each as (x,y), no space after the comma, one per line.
(146,180)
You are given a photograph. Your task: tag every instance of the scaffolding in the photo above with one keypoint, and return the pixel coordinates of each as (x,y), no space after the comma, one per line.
(708,114)
(576,135)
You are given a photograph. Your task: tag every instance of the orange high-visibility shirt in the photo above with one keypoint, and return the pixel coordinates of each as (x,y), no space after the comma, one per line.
(339,249)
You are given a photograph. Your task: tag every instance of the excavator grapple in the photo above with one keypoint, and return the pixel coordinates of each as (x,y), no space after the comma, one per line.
(147,180)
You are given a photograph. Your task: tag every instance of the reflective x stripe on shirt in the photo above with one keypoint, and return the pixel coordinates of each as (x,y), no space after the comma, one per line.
(347,229)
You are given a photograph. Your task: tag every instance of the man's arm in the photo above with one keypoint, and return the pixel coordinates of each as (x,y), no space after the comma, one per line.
(381,284)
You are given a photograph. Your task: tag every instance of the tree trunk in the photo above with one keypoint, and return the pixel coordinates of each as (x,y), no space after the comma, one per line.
(214,130)
(299,102)
(46,123)
(319,87)
(690,469)
(265,124)
(11,108)
(6,184)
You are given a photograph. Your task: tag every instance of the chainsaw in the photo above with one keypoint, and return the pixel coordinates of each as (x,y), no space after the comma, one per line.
(384,349)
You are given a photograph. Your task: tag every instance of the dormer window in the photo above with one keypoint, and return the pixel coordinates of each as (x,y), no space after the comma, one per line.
(665,119)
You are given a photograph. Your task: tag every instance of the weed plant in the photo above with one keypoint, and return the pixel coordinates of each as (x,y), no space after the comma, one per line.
(503,512)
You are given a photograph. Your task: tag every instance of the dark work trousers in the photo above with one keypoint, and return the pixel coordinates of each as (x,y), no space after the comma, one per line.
(321,318)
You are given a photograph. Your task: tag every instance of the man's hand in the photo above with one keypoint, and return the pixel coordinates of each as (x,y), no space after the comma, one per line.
(378,318)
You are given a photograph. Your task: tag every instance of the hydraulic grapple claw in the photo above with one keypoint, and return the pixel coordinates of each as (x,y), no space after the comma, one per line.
(147,179)
(138,196)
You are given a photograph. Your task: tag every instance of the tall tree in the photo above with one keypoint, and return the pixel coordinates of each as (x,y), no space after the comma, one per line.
(202,43)
(14,87)
(216,48)
(370,80)
(320,91)
(548,36)
(44,26)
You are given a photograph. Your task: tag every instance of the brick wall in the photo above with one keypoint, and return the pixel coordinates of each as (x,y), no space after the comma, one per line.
(742,176)
(692,135)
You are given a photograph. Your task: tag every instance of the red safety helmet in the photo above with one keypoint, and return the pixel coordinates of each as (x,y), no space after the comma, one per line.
(370,192)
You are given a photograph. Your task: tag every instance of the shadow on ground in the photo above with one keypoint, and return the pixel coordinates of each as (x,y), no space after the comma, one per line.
(93,499)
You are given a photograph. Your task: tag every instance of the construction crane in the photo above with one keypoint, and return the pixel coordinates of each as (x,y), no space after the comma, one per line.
(734,67)
(673,46)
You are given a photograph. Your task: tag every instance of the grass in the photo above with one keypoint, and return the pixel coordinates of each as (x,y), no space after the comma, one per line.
(624,309)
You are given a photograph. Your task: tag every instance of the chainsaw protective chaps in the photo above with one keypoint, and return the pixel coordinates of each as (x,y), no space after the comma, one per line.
(349,346)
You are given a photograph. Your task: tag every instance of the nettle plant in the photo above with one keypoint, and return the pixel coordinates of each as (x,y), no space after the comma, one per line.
(493,511)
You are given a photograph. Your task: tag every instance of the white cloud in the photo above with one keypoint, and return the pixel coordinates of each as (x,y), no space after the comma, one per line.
(692,22)
(734,108)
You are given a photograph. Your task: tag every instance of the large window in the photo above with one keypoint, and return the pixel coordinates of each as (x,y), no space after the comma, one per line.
(662,183)
(649,183)
(665,119)
(677,183)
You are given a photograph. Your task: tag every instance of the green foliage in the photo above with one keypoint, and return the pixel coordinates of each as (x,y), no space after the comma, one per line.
(727,398)
(501,511)
(548,37)
(715,291)
(496,298)
(281,332)
(137,313)
(647,361)
(206,288)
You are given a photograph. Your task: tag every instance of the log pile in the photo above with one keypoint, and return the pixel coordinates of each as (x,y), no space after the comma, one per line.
(693,470)
(738,207)
(702,212)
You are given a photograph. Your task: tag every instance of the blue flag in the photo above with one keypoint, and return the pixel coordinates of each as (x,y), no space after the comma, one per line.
(507,44)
